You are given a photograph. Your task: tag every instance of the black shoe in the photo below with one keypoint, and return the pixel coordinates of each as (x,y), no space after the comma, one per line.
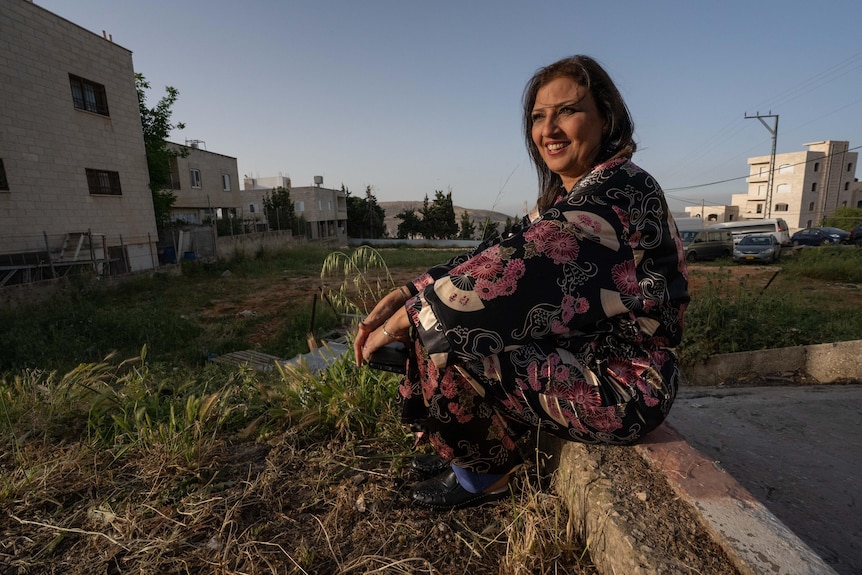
(426,466)
(444,493)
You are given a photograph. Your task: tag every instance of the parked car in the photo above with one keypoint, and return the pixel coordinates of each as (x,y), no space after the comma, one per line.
(855,236)
(707,244)
(757,248)
(819,236)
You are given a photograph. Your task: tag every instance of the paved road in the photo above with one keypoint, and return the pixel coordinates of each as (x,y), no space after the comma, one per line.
(798,450)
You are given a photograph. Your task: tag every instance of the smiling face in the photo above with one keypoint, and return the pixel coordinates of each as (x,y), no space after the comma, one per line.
(567,128)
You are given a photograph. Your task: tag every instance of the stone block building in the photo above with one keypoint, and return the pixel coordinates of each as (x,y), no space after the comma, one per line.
(73,167)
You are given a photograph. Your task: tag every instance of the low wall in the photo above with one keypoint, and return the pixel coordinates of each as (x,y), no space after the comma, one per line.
(826,362)
(394,243)
(227,247)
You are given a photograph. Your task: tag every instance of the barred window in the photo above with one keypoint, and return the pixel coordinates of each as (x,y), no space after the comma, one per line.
(103,182)
(89,96)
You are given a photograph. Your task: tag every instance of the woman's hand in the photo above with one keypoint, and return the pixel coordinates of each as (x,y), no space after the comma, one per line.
(370,336)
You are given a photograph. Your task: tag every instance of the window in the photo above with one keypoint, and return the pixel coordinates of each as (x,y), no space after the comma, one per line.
(175,174)
(103,182)
(785,169)
(251,208)
(196,177)
(850,167)
(759,208)
(813,186)
(781,207)
(225,182)
(816,166)
(4,183)
(89,96)
(811,207)
(300,206)
(846,186)
(761,190)
(783,188)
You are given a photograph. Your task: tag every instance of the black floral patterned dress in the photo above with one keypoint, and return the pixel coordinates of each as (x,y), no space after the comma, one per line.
(568,324)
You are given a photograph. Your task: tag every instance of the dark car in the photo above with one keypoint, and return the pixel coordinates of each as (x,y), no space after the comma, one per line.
(855,236)
(819,236)
(706,244)
(757,248)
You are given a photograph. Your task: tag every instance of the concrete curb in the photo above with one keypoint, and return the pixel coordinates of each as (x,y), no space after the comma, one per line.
(754,539)
(826,362)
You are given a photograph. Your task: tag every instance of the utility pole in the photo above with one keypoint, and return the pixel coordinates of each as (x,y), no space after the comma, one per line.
(774,131)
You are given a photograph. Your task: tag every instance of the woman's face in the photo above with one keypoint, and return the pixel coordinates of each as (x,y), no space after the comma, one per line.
(567,128)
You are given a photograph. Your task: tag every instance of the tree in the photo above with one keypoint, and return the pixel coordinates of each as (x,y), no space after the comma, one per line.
(156,123)
(410,225)
(844,218)
(365,218)
(279,210)
(438,217)
(467,227)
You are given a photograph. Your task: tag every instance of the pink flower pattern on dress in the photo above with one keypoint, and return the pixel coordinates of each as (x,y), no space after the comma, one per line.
(625,278)
(561,247)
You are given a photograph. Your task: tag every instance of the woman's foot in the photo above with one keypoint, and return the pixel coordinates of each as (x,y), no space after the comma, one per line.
(444,492)
(427,466)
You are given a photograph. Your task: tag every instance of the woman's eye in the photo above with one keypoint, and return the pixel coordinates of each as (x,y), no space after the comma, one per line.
(567,110)
(536,117)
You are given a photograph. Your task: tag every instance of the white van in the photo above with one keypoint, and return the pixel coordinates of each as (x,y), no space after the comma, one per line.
(741,228)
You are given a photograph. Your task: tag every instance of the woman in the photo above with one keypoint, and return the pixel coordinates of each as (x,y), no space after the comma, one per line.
(567,324)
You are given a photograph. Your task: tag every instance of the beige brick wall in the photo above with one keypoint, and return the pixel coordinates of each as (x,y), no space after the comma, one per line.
(46,143)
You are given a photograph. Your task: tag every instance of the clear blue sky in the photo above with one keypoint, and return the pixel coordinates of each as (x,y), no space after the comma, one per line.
(411,97)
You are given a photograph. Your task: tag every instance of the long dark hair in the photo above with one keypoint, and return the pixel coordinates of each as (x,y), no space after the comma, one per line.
(617,139)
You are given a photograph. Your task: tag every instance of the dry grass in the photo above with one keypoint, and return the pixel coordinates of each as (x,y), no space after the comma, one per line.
(135,487)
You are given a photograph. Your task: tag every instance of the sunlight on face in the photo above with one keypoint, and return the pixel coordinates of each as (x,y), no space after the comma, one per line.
(567,128)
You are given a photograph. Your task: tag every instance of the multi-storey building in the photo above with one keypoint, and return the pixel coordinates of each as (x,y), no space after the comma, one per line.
(206,184)
(806,187)
(73,167)
(323,209)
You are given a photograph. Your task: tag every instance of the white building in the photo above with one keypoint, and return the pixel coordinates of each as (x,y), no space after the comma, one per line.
(73,167)
(807,186)
(206,184)
(323,209)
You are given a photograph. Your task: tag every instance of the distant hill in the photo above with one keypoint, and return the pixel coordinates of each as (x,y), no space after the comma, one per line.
(478,217)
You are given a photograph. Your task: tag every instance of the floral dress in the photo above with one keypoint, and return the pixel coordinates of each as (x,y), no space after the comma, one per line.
(568,324)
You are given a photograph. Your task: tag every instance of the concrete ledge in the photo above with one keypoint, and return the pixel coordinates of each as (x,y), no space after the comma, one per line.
(754,539)
(825,362)
(607,532)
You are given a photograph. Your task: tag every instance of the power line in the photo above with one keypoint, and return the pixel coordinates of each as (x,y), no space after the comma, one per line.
(666,190)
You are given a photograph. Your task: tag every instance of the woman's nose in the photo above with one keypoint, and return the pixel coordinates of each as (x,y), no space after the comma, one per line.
(549,125)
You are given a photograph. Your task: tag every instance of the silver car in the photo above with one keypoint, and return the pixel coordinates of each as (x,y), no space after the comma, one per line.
(757,248)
